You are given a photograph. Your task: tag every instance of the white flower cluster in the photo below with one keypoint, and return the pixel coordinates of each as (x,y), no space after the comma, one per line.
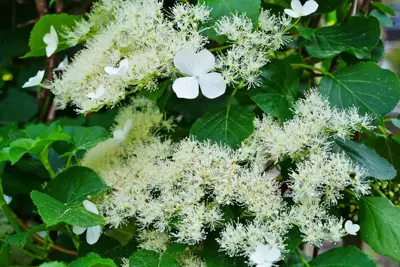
(102,13)
(320,176)
(131,51)
(183,189)
(250,48)
(312,129)
(153,241)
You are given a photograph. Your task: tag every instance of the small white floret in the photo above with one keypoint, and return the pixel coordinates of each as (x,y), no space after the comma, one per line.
(92,233)
(120,71)
(198,67)
(265,256)
(35,80)
(98,94)
(120,134)
(351,228)
(298,10)
(7,199)
(51,41)
(63,65)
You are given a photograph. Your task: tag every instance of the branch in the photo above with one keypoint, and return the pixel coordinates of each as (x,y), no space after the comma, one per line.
(41,241)
(354,8)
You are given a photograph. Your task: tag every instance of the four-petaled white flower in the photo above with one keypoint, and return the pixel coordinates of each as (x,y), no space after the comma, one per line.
(351,228)
(51,41)
(120,134)
(120,71)
(298,10)
(98,94)
(92,233)
(35,80)
(198,66)
(63,65)
(265,256)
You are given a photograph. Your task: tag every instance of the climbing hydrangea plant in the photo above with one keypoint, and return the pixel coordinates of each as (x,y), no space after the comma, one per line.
(241,129)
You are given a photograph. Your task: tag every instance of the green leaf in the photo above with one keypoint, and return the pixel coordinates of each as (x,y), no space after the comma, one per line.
(53,264)
(38,47)
(228,126)
(358,36)
(123,234)
(87,138)
(294,239)
(75,184)
(156,94)
(386,147)
(279,89)
(4,256)
(227,8)
(380,225)
(370,88)
(51,2)
(383,19)
(306,33)
(54,211)
(19,147)
(378,52)
(384,8)
(325,6)
(20,238)
(375,166)
(343,257)
(44,136)
(17,106)
(145,258)
(92,260)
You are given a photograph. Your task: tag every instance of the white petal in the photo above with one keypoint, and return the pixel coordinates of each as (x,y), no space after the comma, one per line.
(63,65)
(351,228)
(296,6)
(119,136)
(185,60)
(309,7)
(90,206)
(120,71)
(7,199)
(93,234)
(257,258)
(212,85)
(51,40)
(42,234)
(291,13)
(186,87)
(205,62)
(35,80)
(273,254)
(99,94)
(78,230)
(127,126)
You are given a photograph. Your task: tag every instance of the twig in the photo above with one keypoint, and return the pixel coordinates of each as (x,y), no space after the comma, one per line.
(354,8)
(334,64)
(27,23)
(41,241)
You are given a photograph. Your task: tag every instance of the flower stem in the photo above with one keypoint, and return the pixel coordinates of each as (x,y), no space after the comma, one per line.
(8,212)
(349,192)
(215,49)
(304,66)
(292,25)
(300,255)
(44,159)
